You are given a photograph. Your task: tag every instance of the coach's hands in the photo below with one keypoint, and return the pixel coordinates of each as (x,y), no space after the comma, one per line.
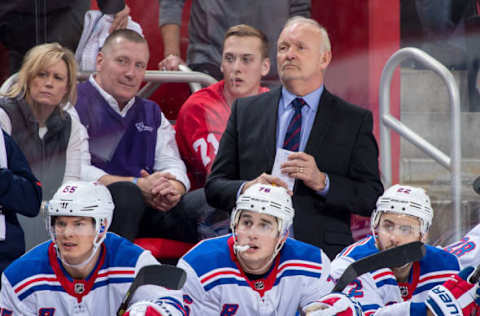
(302,166)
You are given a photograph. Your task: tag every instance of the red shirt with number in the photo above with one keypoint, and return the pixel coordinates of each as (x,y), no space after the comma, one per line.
(199,127)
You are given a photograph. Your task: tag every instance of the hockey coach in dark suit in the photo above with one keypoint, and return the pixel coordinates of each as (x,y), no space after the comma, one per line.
(335,155)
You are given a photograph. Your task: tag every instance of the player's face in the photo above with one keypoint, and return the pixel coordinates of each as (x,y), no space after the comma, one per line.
(243,65)
(301,56)
(121,69)
(50,85)
(74,237)
(395,230)
(260,232)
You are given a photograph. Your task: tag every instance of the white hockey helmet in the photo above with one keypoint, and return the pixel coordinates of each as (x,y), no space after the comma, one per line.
(265,199)
(406,200)
(84,199)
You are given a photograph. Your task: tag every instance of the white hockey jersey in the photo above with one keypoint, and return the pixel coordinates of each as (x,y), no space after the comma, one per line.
(466,249)
(379,293)
(36,284)
(216,285)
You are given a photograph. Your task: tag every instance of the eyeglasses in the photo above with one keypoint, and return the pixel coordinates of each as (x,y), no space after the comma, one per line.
(404,230)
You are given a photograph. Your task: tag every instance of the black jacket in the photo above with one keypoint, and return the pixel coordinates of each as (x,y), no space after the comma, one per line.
(20,192)
(26,23)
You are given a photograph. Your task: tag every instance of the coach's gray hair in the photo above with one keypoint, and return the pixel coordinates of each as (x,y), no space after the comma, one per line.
(303,20)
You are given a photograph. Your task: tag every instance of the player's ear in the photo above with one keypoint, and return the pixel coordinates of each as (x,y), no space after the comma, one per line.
(325,59)
(424,238)
(265,66)
(282,241)
(99,61)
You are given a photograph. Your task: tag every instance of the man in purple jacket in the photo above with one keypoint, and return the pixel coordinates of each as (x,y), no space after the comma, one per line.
(132,144)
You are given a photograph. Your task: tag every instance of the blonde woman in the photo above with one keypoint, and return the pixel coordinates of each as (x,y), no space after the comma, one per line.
(54,142)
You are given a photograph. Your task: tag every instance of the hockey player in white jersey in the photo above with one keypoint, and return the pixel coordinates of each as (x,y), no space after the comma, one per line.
(467,249)
(256,270)
(431,286)
(83,270)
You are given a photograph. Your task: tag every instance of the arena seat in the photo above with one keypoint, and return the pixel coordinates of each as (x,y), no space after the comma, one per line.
(165,250)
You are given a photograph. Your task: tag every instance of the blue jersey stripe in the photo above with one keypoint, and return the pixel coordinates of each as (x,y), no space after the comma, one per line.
(41,287)
(225,281)
(297,272)
(426,287)
(59,288)
(286,273)
(386,282)
(112,280)
(369,307)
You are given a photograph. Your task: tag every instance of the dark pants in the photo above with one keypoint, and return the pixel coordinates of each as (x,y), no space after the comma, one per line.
(191,220)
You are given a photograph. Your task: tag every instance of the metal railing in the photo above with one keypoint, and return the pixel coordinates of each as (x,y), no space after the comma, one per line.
(387,122)
(155,78)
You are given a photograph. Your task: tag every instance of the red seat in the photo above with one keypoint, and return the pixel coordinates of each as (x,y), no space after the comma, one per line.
(164,248)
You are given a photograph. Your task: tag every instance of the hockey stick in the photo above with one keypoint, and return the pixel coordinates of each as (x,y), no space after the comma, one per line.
(164,275)
(475,277)
(391,258)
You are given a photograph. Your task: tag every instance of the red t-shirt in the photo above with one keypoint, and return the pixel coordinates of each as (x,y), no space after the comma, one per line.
(200,124)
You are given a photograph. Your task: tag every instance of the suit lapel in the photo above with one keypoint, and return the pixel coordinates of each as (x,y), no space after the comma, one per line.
(271,125)
(321,124)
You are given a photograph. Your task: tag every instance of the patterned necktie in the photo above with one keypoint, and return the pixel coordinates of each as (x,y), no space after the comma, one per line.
(292,137)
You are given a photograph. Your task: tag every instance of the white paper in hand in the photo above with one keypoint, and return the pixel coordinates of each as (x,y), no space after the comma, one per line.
(3,152)
(2,226)
(3,164)
(280,157)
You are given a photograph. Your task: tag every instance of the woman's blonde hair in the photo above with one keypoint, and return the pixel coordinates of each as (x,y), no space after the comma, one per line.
(38,59)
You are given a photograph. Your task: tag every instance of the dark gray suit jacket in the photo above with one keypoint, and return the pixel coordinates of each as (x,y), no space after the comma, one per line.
(343,145)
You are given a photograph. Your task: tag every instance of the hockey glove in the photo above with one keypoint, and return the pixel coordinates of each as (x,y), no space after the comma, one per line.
(456,296)
(334,304)
(147,308)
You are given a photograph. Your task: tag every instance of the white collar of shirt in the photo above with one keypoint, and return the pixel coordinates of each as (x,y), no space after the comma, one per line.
(110,99)
(312,99)
(3,152)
